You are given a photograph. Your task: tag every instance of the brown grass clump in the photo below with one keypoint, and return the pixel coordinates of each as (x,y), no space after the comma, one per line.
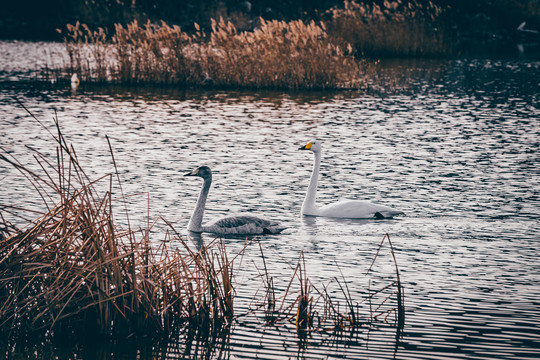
(395,28)
(74,270)
(313,310)
(88,52)
(283,55)
(278,54)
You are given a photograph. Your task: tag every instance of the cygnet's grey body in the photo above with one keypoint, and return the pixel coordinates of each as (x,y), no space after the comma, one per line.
(231,225)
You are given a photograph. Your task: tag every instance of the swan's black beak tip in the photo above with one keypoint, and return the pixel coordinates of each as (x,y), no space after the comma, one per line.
(302,148)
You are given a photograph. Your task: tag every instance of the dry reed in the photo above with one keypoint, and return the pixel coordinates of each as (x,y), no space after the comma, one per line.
(74,270)
(277,54)
(318,311)
(394,28)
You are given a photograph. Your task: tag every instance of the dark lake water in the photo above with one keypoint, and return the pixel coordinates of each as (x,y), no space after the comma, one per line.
(453,144)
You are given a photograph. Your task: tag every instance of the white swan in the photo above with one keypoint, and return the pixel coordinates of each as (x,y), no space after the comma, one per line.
(75,81)
(231,225)
(350,209)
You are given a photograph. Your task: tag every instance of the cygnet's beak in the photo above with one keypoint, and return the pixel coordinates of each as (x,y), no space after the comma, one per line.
(305,147)
(191,173)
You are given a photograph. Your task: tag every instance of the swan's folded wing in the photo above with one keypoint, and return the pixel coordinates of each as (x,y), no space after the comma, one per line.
(238,221)
(243,224)
(357,209)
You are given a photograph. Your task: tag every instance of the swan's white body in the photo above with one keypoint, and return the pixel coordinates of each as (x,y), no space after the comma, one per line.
(350,209)
(231,225)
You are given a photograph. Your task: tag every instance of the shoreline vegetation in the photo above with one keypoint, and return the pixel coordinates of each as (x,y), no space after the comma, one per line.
(334,47)
(278,55)
(291,55)
(73,273)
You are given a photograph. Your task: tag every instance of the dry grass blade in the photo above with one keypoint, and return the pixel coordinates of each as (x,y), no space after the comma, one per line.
(348,298)
(270,312)
(400,295)
(303,314)
(399,287)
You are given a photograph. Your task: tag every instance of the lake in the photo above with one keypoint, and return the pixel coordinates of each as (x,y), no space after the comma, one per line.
(454,144)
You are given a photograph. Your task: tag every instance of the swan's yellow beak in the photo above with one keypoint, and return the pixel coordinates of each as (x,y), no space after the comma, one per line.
(193,173)
(306,147)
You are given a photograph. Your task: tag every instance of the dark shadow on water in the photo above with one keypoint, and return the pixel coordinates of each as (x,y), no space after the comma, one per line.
(193,342)
(151,92)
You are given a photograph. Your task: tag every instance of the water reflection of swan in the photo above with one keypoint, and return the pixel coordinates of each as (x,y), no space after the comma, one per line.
(196,238)
(351,209)
(232,225)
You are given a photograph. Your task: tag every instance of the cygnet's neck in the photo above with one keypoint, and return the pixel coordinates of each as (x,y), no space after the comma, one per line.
(195,223)
(309,201)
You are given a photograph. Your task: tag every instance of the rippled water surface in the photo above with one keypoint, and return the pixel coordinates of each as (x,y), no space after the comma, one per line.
(452,144)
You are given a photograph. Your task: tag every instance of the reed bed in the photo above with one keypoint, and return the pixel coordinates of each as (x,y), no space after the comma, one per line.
(277,54)
(393,28)
(74,270)
(312,309)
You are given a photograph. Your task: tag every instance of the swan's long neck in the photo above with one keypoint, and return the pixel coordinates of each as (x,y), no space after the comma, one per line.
(309,201)
(195,223)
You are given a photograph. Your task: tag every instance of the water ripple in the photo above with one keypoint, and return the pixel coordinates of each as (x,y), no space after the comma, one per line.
(461,162)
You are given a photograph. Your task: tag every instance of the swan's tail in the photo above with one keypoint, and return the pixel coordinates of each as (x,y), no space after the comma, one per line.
(272,230)
(387,215)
